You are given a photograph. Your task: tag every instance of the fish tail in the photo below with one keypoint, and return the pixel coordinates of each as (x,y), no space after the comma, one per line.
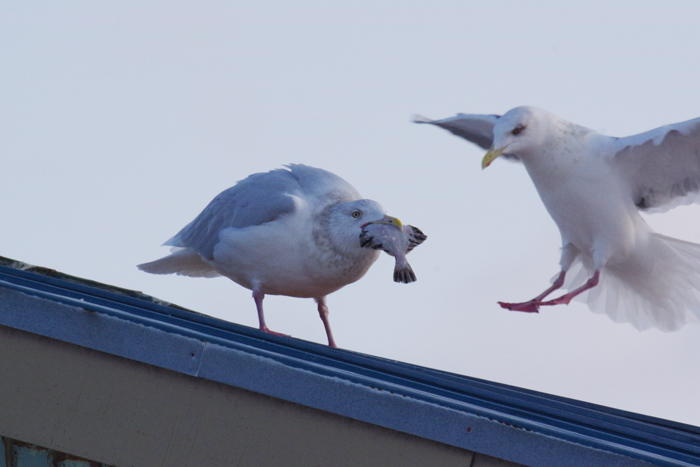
(404,274)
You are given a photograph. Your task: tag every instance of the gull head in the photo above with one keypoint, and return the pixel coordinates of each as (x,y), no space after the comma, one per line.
(343,222)
(517,132)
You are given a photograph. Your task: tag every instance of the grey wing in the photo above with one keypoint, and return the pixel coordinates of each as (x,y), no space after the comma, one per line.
(662,166)
(475,128)
(322,184)
(258,199)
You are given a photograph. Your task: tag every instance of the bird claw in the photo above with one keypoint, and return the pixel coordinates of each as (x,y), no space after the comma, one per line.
(274,333)
(527,307)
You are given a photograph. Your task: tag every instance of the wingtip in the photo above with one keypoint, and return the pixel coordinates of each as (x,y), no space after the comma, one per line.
(415,118)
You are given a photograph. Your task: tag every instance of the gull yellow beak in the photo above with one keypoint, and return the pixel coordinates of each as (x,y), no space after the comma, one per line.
(387,220)
(491,156)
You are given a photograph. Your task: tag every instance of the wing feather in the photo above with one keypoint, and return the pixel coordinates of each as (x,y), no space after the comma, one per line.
(258,199)
(255,200)
(662,166)
(475,128)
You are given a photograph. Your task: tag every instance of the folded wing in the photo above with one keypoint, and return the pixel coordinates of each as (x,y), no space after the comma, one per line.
(255,200)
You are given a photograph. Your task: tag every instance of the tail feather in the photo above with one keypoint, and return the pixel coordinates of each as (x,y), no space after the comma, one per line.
(662,291)
(182,261)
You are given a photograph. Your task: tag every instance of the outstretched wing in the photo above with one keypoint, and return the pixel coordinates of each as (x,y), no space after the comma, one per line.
(662,166)
(475,128)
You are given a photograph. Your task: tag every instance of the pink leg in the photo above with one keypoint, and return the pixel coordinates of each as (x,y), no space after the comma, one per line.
(323,312)
(565,299)
(531,306)
(258,297)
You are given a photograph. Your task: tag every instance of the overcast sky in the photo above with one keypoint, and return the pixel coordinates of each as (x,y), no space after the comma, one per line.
(120,121)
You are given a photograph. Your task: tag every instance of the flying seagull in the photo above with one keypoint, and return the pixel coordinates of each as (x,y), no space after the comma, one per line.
(293,231)
(594,187)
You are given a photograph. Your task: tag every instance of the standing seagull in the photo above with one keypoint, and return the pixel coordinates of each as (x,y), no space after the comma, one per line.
(594,186)
(293,232)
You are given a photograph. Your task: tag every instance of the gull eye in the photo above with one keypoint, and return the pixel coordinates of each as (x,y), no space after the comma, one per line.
(356,214)
(517,130)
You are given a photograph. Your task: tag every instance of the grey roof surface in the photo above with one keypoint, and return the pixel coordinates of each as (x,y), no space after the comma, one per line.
(507,422)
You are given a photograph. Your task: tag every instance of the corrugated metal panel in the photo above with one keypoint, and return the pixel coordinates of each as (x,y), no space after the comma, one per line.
(19,454)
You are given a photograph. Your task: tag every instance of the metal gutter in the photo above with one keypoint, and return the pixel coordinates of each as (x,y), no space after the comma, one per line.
(503,421)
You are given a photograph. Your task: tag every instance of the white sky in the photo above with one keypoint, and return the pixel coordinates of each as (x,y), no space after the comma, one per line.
(120,121)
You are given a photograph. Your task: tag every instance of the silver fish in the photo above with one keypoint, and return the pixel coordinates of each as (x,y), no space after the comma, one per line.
(395,239)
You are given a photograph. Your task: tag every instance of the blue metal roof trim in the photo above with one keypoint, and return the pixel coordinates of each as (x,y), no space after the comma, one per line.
(505,421)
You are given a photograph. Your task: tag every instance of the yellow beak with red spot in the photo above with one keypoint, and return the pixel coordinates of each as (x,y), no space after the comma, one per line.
(491,156)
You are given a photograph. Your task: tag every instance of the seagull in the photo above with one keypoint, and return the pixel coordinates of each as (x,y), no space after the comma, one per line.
(293,231)
(594,188)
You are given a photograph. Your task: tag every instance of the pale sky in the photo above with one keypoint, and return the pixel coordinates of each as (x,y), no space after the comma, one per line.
(120,121)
